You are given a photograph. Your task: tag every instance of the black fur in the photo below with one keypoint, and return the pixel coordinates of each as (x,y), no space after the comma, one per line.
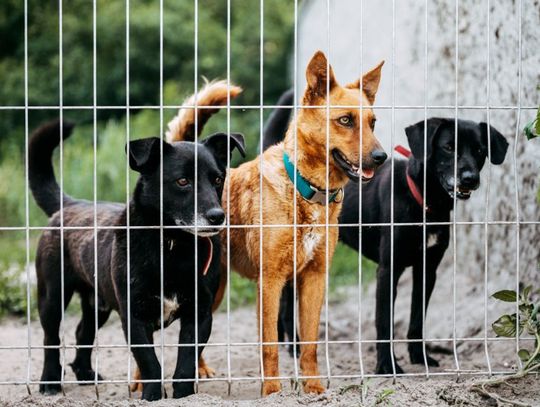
(472,151)
(144,254)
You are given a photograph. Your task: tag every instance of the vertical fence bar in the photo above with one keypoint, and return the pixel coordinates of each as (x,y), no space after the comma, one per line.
(261,144)
(327,165)
(392,184)
(61,114)
(128,195)
(161,237)
(94,169)
(424,192)
(454,198)
(27,206)
(295,133)
(228,111)
(488,189)
(196,212)
(360,142)
(516,140)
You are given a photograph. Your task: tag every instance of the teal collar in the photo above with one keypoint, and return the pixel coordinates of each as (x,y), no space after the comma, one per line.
(308,191)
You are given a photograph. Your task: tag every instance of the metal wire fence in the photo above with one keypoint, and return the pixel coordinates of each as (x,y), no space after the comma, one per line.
(356,339)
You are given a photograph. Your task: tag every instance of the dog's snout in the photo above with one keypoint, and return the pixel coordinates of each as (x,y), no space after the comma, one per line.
(469,179)
(379,156)
(215,216)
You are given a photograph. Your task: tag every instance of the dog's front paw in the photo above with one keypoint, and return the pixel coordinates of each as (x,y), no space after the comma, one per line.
(384,366)
(270,386)
(313,386)
(417,357)
(205,370)
(51,375)
(183,389)
(152,391)
(50,389)
(85,375)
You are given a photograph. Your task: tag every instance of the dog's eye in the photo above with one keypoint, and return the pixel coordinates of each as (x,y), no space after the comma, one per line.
(345,121)
(218,181)
(183,182)
(449,147)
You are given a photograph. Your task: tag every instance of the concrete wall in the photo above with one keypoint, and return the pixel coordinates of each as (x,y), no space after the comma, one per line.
(403,84)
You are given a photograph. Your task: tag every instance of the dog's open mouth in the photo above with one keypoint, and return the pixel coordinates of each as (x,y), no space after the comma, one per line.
(353,171)
(461,193)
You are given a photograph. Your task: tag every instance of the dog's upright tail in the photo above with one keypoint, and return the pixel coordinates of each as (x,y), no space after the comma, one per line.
(278,122)
(43,183)
(182,126)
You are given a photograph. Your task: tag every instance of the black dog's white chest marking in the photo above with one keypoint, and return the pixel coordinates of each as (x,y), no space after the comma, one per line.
(432,239)
(170,307)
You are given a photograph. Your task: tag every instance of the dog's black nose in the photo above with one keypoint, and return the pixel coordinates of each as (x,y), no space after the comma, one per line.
(379,156)
(469,179)
(215,216)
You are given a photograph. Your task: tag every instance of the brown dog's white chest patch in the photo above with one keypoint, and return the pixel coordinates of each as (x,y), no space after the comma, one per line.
(311,241)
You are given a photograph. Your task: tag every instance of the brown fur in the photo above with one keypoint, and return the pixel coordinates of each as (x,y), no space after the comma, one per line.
(215,93)
(278,192)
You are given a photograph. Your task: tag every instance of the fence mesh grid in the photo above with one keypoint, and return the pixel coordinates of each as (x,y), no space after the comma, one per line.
(230,376)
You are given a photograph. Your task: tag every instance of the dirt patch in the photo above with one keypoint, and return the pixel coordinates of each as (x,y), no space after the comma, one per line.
(241,359)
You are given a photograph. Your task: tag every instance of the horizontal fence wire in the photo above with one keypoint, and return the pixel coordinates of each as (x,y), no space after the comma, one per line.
(100,345)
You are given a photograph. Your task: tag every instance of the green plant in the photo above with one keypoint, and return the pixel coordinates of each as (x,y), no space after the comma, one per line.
(513,326)
(532,129)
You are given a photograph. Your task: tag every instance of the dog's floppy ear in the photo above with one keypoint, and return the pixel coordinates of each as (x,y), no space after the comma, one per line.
(144,153)
(317,76)
(217,143)
(498,145)
(415,136)
(370,82)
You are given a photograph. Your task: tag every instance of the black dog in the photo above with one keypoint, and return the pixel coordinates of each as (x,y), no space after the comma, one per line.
(472,151)
(178,253)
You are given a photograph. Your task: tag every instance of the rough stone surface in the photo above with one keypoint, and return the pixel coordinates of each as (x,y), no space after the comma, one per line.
(509,82)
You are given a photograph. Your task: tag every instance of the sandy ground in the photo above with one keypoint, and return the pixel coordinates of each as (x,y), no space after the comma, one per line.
(342,359)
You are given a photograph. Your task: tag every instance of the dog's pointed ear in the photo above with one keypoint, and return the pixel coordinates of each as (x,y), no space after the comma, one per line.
(370,82)
(498,144)
(415,136)
(144,153)
(217,143)
(318,72)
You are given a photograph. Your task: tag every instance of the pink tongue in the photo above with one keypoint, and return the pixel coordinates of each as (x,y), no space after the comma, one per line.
(367,173)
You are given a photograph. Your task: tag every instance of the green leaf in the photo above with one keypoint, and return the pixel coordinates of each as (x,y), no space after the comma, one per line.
(505,326)
(530,129)
(525,293)
(506,295)
(524,355)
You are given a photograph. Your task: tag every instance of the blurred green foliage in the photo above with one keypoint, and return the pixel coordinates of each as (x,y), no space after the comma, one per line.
(115,86)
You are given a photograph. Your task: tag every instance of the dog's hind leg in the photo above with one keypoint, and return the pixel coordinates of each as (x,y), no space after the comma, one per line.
(50,315)
(416,326)
(383,320)
(286,319)
(85,334)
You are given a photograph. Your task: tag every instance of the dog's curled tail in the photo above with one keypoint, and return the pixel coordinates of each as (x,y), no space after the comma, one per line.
(43,183)
(215,93)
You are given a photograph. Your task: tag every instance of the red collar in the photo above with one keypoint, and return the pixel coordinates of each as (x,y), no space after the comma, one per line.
(209,252)
(209,255)
(412,185)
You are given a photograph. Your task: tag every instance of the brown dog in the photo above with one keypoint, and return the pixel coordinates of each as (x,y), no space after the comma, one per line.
(278,198)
